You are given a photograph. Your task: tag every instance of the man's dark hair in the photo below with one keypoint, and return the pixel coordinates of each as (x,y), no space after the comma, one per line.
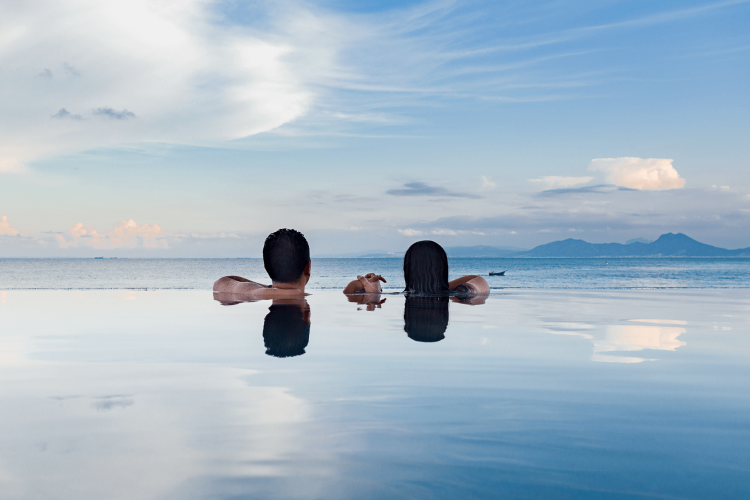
(285,255)
(285,331)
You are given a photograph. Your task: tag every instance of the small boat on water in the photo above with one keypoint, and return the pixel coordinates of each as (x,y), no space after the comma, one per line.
(497,273)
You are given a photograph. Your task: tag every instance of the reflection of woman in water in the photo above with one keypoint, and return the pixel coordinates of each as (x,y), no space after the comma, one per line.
(426,317)
(426,273)
(286,329)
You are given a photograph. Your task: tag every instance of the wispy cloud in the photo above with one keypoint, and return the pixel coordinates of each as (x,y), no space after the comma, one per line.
(599,188)
(64,113)
(193,80)
(195,75)
(557,182)
(424,189)
(667,16)
(410,232)
(115,115)
(70,70)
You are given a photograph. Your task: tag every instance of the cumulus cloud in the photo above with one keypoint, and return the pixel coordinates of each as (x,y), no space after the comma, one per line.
(444,232)
(424,189)
(557,182)
(81,231)
(125,234)
(5,229)
(129,234)
(639,173)
(410,232)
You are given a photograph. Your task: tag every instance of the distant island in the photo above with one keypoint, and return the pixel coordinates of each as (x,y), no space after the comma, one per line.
(667,245)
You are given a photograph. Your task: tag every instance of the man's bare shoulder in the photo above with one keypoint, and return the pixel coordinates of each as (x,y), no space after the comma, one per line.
(235,284)
(252,290)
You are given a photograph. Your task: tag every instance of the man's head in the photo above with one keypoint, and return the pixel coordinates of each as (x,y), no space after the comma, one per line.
(285,255)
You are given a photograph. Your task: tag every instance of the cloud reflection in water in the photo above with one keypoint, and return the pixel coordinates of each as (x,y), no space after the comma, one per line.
(625,338)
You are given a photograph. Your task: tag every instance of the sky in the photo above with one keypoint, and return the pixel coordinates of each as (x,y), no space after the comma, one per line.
(195,128)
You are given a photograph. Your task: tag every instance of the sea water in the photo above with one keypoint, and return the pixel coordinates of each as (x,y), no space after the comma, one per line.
(336,273)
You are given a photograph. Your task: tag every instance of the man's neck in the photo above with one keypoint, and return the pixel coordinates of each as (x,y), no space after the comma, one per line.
(298,285)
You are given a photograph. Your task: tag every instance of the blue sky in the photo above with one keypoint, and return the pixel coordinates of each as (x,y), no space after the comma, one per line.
(157,129)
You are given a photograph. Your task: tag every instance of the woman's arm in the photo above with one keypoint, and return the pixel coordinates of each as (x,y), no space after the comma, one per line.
(369,283)
(354,287)
(475,284)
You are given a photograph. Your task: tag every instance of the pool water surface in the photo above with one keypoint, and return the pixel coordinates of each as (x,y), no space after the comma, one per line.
(532,394)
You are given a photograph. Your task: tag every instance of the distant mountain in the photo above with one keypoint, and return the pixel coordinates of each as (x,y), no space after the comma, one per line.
(638,240)
(668,245)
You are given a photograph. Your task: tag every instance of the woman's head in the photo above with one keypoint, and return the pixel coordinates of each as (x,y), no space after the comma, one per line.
(426,269)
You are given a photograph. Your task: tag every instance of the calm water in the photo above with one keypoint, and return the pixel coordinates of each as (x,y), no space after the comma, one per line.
(335,273)
(123,394)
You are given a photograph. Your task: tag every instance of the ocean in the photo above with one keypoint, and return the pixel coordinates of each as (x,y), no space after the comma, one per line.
(200,274)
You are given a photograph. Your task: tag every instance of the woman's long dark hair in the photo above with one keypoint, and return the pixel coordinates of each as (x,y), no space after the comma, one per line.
(426,269)
(426,317)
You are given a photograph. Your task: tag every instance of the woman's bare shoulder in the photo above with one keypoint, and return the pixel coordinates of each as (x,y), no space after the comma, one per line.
(479,284)
(470,284)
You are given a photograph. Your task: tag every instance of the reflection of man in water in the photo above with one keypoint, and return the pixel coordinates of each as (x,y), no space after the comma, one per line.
(426,317)
(286,329)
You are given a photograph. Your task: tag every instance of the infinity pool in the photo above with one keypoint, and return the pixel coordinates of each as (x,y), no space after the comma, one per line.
(532,394)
